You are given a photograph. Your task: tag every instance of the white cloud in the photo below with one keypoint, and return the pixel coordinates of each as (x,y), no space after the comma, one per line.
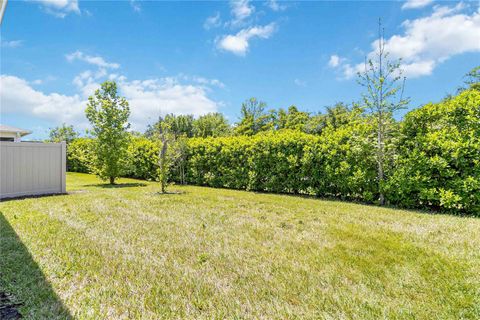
(147,98)
(150,98)
(334,61)
(239,43)
(415,4)
(242,17)
(183,94)
(275,6)
(94,60)
(429,41)
(241,10)
(59,8)
(11,44)
(17,96)
(212,21)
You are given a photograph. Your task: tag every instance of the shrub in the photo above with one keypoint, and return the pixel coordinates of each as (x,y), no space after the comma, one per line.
(432,160)
(142,159)
(80,155)
(439,156)
(340,163)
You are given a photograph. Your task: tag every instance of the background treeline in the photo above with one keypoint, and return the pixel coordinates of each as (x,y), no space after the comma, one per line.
(431,158)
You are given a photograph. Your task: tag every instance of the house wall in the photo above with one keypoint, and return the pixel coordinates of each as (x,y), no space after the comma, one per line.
(16,136)
(30,168)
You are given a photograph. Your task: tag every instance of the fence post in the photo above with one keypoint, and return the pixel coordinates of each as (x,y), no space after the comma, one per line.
(63,168)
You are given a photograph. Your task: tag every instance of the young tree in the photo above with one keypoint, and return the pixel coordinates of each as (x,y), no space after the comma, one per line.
(63,133)
(170,150)
(178,157)
(384,85)
(108,114)
(163,165)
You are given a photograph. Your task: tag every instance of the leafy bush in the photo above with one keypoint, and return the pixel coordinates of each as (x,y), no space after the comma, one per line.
(340,163)
(142,159)
(439,156)
(432,159)
(343,162)
(80,155)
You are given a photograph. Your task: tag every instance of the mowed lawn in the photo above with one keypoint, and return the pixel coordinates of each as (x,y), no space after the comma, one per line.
(200,253)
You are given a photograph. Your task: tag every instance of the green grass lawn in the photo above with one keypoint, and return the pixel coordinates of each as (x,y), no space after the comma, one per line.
(129,253)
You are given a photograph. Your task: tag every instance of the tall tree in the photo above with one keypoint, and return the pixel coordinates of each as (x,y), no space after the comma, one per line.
(179,125)
(472,79)
(63,133)
(108,114)
(211,125)
(296,119)
(253,117)
(384,84)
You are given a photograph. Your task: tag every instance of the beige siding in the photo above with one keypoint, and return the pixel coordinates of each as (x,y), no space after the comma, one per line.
(28,168)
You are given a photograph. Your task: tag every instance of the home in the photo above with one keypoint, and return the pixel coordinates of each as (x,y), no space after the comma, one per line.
(12,134)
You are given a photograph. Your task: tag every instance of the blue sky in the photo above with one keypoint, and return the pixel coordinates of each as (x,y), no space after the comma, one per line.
(199,57)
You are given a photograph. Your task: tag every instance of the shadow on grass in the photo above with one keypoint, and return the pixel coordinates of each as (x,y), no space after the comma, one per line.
(166,193)
(33,196)
(24,290)
(115,186)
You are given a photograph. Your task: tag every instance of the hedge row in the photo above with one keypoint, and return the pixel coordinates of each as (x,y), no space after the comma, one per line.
(438,164)
(432,162)
(287,162)
(141,161)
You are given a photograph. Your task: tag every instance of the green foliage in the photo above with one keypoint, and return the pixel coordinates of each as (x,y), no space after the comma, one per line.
(177,154)
(253,118)
(108,114)
(290,119)
(472,79)
(80,155)
(211,125)
(431,159)
(335,117)
(181,125)
(142,158)
(439,156)
(341,163)
(62,133)
(171,148)
(383,83)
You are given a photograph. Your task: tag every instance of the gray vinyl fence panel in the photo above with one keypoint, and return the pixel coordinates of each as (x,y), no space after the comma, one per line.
(29,168)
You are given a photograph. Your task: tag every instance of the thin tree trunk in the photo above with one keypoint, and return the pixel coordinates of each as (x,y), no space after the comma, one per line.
(380,134)
(112,180)
(162,164)
(381,198)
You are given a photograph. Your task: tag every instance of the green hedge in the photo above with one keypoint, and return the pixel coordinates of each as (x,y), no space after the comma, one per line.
(142,159)
(339,163)
(432,162)
(80,155)
(439,157)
